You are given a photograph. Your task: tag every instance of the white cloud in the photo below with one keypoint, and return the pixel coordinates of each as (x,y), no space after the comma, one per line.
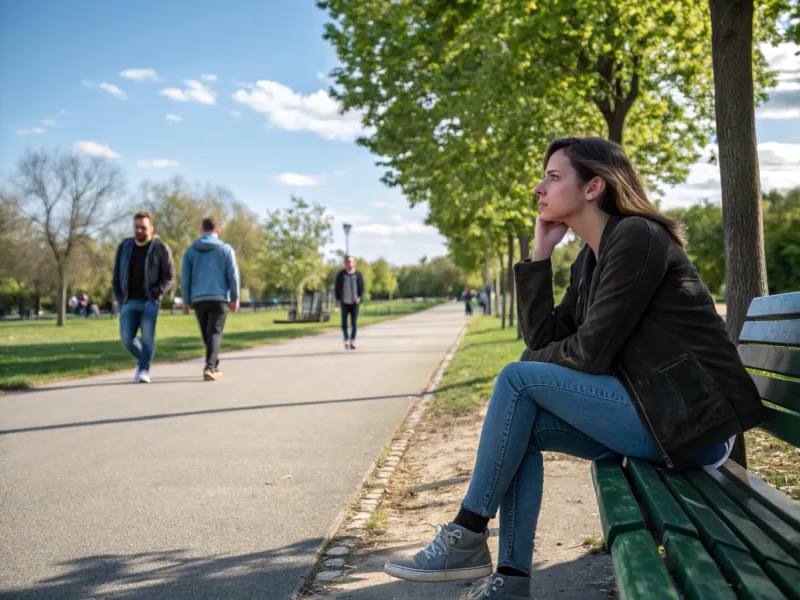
(297,180)
(195,92)
(784,99)
(397,218)
(352,218)
(321,76)
(208,77)
(400,229)
(779,166)
(95,149)
(291,111)
(34,131)
(175,118)
(159,163)
(140,74)
(50,122)
(236,114)
(108,87)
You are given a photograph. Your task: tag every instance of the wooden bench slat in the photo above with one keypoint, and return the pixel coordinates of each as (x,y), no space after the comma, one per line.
(760,544)
(783,425)
(713,530)
(782,392)
(662,508)
(770,523)
(777,359)
(780,333)
(619,511)
(638,569)
(776,501)
(772,307)
(787,578)
(697,573)
(747,577)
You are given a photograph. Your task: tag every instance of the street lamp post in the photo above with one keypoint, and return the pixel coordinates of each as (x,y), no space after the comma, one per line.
(347,228)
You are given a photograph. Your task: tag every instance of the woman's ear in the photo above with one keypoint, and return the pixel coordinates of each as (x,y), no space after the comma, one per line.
(595,188)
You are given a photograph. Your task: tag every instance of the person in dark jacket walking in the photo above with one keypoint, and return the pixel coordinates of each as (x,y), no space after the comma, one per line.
(634,361)
(349,290)
(143,273)
(210,283)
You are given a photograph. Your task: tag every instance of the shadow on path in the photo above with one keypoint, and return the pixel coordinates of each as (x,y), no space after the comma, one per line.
(176,575)
(232,409)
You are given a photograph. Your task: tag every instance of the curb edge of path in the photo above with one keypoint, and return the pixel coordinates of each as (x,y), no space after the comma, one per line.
(401,436)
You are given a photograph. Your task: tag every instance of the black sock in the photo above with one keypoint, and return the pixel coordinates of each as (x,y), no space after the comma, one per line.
(511,572)
(470,520)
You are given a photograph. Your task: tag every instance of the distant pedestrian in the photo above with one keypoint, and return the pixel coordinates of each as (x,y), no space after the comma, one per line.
(210,283)
(349,290)
(143,273)
(466,296)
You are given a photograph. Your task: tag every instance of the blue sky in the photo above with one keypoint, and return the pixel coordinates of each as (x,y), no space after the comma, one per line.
(234,94)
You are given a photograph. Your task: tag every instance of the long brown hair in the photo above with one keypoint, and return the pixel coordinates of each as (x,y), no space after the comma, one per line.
(624,193)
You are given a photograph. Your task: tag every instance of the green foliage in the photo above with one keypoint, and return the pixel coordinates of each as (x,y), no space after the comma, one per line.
(292,256)
(384,279)
(706,247)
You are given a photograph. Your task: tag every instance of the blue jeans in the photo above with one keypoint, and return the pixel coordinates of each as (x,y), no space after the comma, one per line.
(135,315)
(352,310)
(538,407)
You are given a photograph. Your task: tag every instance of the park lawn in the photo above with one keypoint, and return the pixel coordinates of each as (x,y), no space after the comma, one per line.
(37,352)
(486,349)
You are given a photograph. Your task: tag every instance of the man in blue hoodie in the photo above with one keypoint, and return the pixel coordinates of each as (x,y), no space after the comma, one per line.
(210,283)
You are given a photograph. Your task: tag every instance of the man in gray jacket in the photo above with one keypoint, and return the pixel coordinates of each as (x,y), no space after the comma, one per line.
(209,281)
(143,273)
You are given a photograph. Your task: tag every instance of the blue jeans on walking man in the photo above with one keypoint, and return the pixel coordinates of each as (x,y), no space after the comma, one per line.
(136,315)
(352,310)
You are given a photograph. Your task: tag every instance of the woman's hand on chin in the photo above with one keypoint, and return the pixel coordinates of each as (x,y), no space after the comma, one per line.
(546,237)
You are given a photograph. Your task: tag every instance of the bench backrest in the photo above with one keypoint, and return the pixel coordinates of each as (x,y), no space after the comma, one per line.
(770,348)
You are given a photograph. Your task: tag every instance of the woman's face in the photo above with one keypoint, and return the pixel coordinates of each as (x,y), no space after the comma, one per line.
(561,193)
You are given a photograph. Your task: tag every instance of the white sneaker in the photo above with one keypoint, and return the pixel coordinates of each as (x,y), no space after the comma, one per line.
(136,376)
(144,376)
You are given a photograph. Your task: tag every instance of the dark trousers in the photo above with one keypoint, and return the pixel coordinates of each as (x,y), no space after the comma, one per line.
(211,317)
(352,310)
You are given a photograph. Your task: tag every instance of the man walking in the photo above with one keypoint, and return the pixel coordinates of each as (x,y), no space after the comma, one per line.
(349,289)
(209,281)
(143,273)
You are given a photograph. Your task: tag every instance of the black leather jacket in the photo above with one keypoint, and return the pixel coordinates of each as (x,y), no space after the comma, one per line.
(641,313)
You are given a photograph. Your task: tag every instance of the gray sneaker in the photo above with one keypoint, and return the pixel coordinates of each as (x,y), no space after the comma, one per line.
(455,553)
(500,586)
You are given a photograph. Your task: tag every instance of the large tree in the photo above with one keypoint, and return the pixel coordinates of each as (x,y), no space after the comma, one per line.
(732,48)
(294,238)
(69,199)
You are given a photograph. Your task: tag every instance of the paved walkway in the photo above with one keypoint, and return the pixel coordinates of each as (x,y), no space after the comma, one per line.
(185,489)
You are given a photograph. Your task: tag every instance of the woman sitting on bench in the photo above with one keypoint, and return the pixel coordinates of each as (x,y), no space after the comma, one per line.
(634,361)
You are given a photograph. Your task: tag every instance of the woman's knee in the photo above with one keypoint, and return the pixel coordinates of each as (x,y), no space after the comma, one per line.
(522,374)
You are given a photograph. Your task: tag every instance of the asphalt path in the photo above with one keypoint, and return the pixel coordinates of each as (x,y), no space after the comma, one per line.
(184,489)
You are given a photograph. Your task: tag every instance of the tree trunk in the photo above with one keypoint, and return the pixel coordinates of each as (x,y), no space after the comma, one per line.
(502,295)
(61,300)
(37,305)
(742,220)
(524,252)
(497,277)
(510,280)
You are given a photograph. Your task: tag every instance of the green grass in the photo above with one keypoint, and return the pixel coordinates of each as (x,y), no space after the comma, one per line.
(594,545)
(377,522)
(36,352)
(468,380)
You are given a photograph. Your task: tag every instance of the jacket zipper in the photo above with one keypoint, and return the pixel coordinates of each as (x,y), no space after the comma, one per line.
(146,270)
(642,411)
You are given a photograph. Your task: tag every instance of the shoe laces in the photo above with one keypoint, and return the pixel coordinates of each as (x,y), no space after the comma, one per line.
(443,539)
(484,588)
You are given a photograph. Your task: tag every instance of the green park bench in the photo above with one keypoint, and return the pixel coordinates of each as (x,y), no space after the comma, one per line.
(710,534)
